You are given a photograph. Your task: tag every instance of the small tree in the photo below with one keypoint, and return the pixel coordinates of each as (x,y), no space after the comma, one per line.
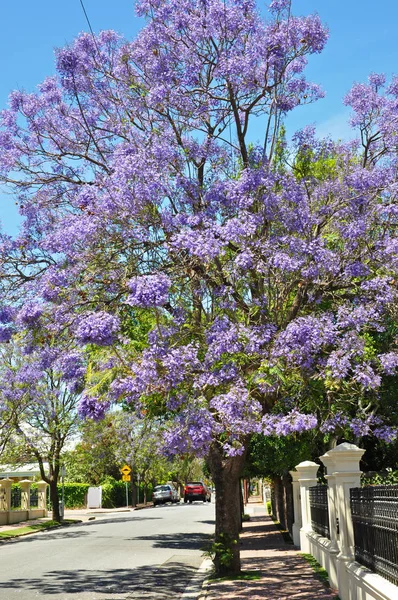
(38,401)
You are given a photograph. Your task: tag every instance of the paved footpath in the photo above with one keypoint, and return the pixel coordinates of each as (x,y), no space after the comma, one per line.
(284,573)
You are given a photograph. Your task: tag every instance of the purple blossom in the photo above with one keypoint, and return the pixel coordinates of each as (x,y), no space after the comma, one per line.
(339,420)
(7,314)
(6,334)
(386,434)
(237,411)
(293,422)
(389,362)
(99,328)
(30,313)
(148,290)
(360,427)
(366,376)
(71,366)
(92,407)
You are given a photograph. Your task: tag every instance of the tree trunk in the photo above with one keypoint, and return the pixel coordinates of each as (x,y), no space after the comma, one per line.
(133,494)
(226,473)
(241,502)
(288,492)
(54,497)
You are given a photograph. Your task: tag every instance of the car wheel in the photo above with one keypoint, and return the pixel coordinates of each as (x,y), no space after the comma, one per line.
(155,503)
(190,502)
(185,500)
(204,498)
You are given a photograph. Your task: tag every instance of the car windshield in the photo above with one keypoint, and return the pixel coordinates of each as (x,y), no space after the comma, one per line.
(195,483)
(162,488)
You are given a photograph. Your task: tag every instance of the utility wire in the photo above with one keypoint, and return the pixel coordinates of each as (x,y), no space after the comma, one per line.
(87,19)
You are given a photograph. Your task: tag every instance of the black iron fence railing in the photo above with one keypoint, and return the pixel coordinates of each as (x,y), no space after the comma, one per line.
(374,512)
(320,510)
(15,497)
(34,498)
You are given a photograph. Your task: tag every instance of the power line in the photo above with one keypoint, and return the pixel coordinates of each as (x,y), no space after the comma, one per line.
(87,19)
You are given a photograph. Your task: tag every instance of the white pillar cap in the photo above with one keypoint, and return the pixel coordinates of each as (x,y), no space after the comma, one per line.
(343,458)
(307,470)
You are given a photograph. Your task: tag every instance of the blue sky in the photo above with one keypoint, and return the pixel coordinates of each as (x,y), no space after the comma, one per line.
(362,40)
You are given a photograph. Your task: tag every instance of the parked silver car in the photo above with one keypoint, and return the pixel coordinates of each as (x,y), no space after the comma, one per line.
(165,493)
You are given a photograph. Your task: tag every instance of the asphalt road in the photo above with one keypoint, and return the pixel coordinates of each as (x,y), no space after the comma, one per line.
(150,554)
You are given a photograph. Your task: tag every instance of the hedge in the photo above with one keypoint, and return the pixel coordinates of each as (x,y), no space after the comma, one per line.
(113,494)
(75,494)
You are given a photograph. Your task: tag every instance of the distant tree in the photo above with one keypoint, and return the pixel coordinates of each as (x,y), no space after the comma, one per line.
(39,393)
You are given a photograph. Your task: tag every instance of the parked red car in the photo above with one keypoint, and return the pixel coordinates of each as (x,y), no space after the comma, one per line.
(196,490)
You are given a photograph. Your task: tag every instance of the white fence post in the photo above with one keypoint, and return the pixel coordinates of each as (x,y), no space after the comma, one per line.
(296,507)
(333,549)
(345,462)
(307,477)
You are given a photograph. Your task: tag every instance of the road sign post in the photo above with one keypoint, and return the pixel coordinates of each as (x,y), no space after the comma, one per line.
(125,471)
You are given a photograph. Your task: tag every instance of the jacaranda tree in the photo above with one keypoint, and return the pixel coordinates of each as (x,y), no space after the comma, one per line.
(39,391)
(143,192)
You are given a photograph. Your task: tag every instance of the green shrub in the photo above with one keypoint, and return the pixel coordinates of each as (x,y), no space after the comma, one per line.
(386,477)
(114,494)
(75,494)
(269,507)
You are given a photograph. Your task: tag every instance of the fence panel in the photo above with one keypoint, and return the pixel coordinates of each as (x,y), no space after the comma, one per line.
(34,497)
(374,512)
(320,510)
(15,497)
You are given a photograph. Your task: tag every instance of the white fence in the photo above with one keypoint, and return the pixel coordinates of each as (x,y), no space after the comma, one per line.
(336,555)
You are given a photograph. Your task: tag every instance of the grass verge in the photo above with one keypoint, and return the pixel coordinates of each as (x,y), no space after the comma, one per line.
(320,572)
(19,531)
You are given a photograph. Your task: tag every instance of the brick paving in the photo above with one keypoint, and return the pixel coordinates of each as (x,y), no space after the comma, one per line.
(283,572)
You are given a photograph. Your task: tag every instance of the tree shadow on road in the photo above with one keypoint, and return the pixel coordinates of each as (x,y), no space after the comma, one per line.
(177,541)
(155,582)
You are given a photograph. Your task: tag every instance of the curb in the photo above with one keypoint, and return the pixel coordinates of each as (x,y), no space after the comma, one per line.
(194,590)
(21,535)
(143,507)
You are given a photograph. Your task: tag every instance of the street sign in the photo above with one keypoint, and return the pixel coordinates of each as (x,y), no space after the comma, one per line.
(126,470)
(126,477)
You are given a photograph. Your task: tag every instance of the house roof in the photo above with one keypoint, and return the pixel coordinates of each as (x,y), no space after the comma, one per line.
(26,470)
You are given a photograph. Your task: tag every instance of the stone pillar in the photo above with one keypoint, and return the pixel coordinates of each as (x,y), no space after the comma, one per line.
(42,495)
(344,459)
(25,494)
(6,485)
(328,461)
(307,477)
(296,507)
(334,548)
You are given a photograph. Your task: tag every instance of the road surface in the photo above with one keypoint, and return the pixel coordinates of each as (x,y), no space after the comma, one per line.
(150,554)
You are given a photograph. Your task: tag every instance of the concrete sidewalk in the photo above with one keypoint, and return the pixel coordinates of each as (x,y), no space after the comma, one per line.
(283,572)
